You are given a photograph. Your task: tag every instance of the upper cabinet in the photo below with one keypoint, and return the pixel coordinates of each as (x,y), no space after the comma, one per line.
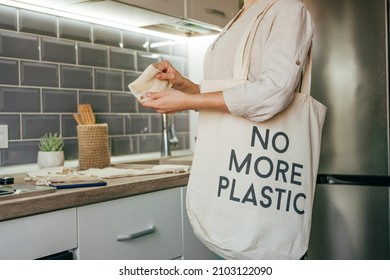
(216,12)
(170,7)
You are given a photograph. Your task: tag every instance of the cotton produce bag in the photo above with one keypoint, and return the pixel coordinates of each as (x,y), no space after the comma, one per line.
(251,187)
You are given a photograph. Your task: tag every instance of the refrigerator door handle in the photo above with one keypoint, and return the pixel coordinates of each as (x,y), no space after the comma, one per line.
(342,179)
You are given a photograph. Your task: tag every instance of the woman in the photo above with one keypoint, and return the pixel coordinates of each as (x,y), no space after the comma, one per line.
(280,47)
(277,54)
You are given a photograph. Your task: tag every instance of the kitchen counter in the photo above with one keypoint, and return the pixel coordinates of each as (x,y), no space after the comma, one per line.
(74,197)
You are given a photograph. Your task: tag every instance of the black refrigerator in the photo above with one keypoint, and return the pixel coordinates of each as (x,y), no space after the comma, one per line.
(350,76)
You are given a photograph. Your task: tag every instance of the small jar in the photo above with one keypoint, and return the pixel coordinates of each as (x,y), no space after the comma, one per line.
(6,182)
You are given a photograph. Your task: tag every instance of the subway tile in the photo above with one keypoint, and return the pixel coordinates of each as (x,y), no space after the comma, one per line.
(20,152)
(183,142)
(35,126)
(54,100)
(124,145)
(108,79)
(135,41)
(142,109)
(8,18)
(74,30)
(129,77)
(37,23)
(38,74)
(160,45)
(64,68)
(69,126)
(123,103)
(9,72)
(98,100)
(71,149)
(76,77)
(114,122)
(177,62)
(58,51)
(181,121)
(137,124)
(145,59)
(149,143)
(92,55)
(106,35)
(19,100)
(122,59)
(18,45)
(156,123)
(13,122)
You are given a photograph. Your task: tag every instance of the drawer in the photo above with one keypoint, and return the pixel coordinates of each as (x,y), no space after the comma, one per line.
(38,236)
(146,226)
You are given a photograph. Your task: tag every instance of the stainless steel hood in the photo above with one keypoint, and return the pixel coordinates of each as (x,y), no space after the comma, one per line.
(121,13)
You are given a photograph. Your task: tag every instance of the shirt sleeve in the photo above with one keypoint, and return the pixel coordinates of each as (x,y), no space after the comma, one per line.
(275,71)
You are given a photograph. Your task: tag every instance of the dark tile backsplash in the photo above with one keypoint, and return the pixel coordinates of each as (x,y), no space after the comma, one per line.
(8,18)
(13,44)
(37,23)
(50,64)
(9,72)
(58,50)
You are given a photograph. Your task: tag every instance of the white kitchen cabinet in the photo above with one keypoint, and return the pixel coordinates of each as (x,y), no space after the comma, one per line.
(216,12)
(169,7)
(193,249)
(145,226)
(38,236)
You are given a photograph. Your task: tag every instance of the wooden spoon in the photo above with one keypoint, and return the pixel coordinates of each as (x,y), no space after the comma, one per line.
(86,114)
(77,118)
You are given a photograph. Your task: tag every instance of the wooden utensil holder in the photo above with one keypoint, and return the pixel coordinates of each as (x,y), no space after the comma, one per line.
(93,148)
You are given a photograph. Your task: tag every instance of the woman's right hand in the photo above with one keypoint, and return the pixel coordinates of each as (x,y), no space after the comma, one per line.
(170,74)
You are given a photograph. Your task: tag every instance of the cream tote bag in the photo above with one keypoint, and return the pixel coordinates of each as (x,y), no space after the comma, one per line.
(251,187)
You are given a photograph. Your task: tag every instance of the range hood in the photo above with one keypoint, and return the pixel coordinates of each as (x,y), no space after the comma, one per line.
(121,13)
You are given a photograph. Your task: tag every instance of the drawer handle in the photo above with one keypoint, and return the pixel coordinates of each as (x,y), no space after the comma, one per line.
(135,235)
(215,12)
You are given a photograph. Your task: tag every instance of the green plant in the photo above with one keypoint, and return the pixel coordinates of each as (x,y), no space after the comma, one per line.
(51,143)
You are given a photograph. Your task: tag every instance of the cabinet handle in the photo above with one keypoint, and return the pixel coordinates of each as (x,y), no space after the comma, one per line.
(135,235)
(215,12)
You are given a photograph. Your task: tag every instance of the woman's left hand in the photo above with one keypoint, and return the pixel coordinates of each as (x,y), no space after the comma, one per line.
(169,101)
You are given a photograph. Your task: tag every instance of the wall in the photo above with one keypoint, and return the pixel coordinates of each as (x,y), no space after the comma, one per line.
(50,64)
(196,51)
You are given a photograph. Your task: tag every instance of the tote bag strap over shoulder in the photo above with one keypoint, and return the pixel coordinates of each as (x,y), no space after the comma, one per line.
(242,59)
(241,64)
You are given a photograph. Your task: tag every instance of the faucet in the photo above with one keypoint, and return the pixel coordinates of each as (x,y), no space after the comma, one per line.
(169,138)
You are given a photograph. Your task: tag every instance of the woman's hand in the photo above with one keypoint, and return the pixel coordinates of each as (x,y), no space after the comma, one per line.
(169,101)
(170,74)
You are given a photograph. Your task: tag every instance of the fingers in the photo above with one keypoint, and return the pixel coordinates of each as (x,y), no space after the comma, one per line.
(166,76)
(152,95)
(163,66)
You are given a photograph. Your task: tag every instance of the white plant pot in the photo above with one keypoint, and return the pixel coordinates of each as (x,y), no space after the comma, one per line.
(50,159)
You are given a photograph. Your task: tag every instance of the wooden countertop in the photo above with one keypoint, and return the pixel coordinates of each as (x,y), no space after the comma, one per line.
(68,198)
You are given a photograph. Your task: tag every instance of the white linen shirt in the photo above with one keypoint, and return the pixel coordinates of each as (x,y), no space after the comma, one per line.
(277,56)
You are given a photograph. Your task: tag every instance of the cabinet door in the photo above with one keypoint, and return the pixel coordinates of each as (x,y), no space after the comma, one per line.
(168,7)
(146,226)
(216,12)
(38,236)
